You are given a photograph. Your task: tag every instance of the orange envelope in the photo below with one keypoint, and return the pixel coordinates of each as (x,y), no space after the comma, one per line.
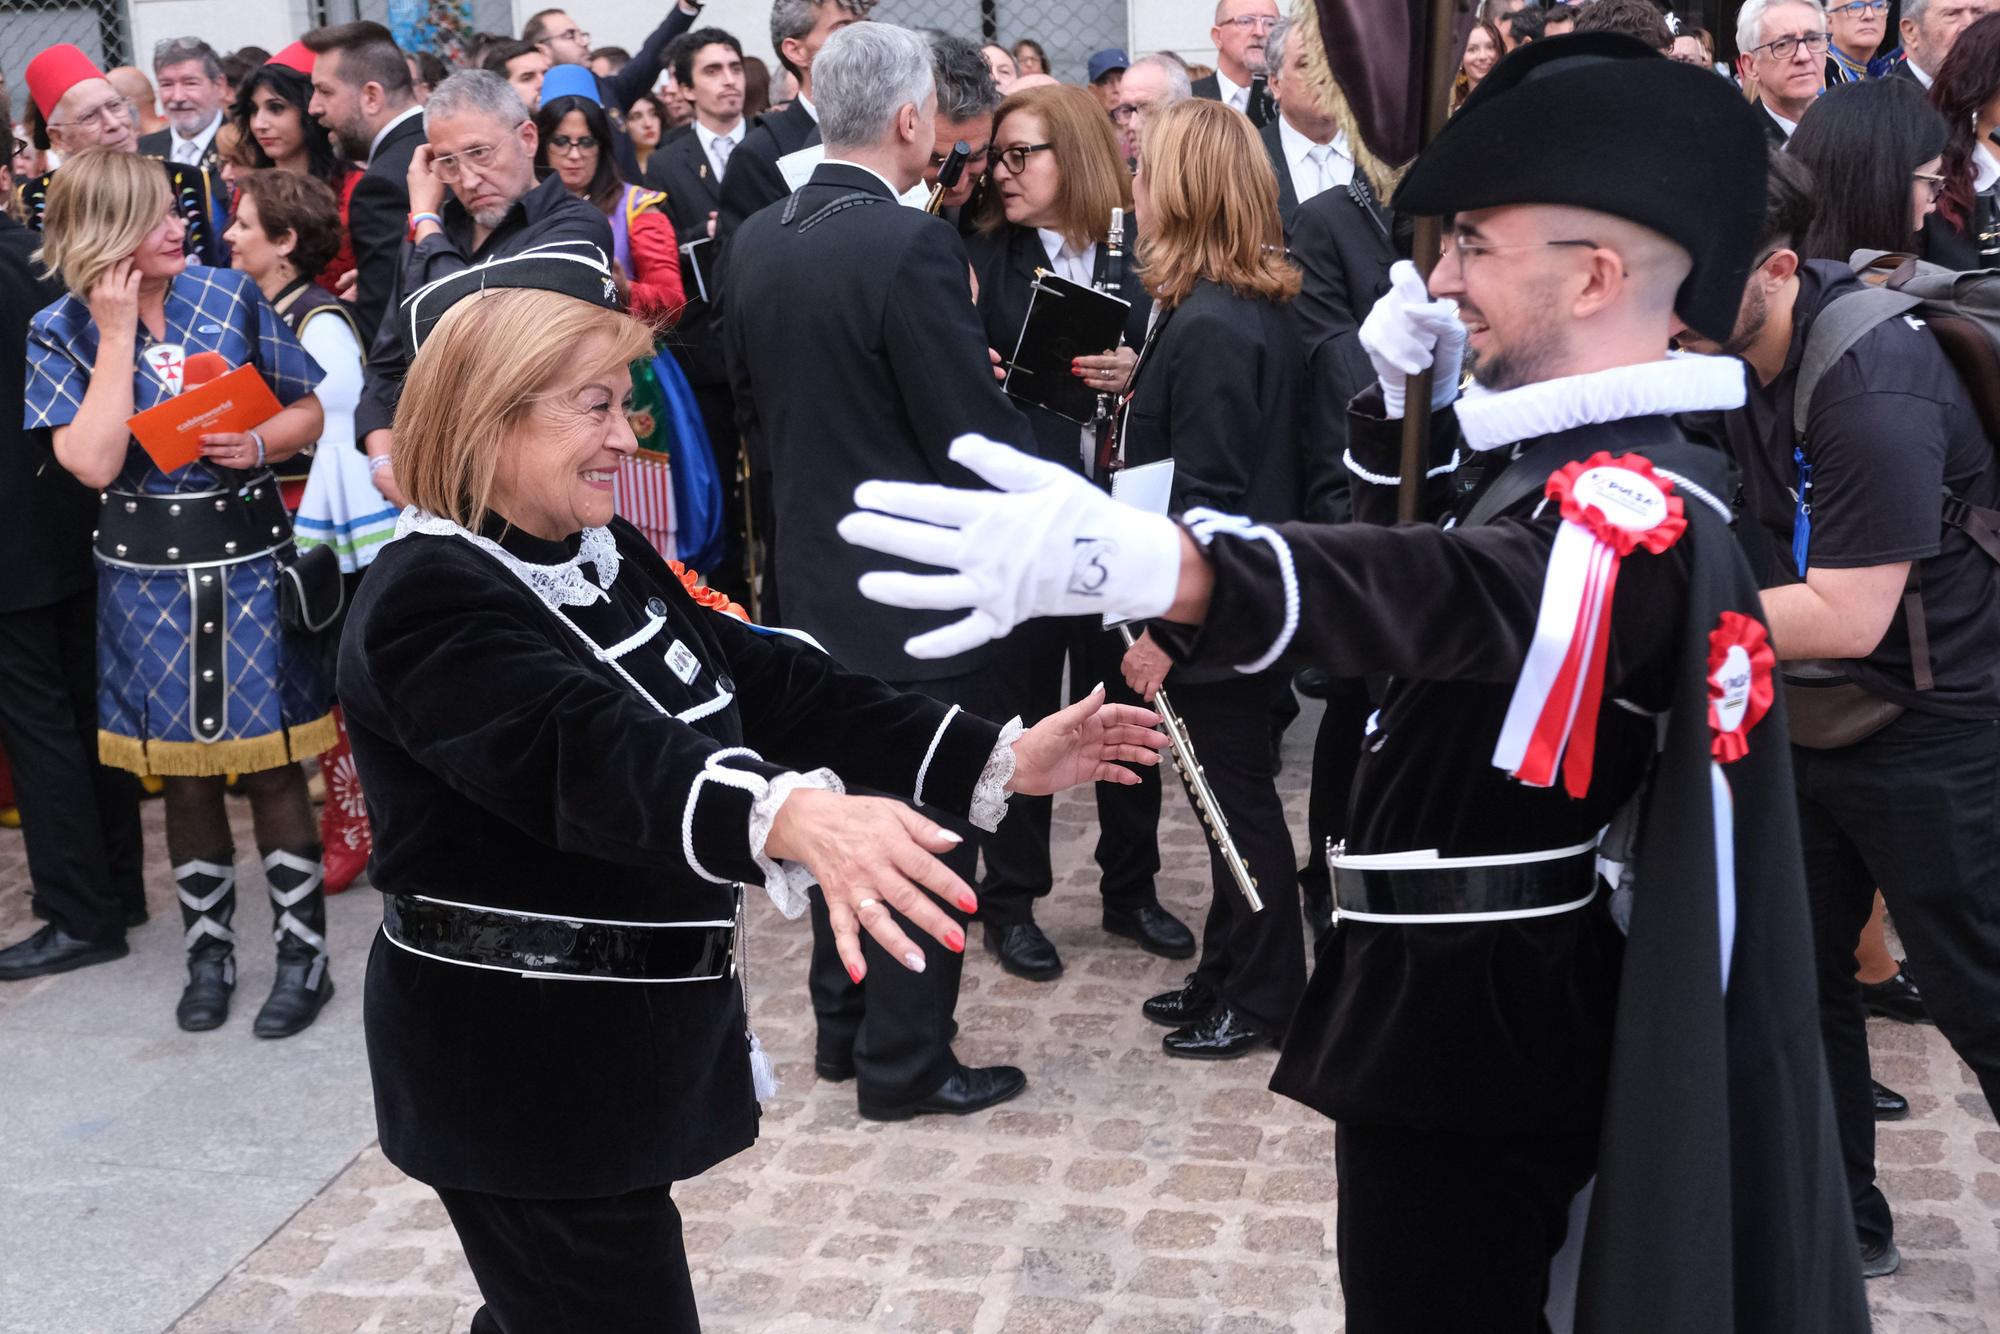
(171,432)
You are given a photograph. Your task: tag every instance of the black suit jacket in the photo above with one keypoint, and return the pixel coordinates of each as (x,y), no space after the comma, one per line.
(1902,70)
(753,180)
(1217,391)
(679,169)
(1774,133)
(378,216)
(1005,263)
(855,353)
(1288,195)
(46,515)
(160,144)
(1343,243)
(1261,109)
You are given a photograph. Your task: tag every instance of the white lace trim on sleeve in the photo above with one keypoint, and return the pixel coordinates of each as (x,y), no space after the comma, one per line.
(785,882)
(989,794)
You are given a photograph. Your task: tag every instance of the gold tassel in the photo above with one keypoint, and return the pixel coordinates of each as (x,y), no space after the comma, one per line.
(1381,176)
(214,759)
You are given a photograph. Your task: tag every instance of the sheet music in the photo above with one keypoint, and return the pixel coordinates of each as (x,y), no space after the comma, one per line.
(1145,486)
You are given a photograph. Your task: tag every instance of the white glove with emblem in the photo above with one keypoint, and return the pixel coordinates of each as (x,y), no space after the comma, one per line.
(1407,331)
(1045,542)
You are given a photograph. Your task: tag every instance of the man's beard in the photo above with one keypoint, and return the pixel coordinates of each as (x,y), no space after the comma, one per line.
(353,141)
(1750,322)
(1525,362)
(493,217)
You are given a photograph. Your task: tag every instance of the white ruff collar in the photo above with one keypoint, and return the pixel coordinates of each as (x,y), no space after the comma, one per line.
(1489,420)
(558,586)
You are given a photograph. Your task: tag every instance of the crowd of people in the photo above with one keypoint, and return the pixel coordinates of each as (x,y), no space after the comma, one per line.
(496,303)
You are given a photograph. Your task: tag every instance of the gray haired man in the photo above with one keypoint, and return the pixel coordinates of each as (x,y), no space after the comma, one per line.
(192,91)
(853,353)
(473,197)
(1929,28)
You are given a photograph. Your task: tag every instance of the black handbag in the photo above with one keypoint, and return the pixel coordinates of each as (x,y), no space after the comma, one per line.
(1827,709)
(310,590)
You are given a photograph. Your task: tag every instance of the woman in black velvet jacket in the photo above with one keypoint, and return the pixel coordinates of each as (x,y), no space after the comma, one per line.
(574,762)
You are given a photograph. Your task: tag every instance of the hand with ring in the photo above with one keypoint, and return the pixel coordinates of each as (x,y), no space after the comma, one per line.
(1110,373)
(871,855)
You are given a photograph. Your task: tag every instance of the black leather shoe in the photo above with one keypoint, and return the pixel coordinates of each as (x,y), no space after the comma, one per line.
(834,1069)
(54,950)
(972,1089)
(1157,930)
(1177,1009)
(1889,1104)
(1318,912)
(295,1001)
(1220,1036)
(1897,999)
(205,1001)
(1025,952)
(1879,1259)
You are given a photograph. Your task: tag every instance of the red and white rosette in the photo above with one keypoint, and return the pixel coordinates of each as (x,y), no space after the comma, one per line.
(1610,507)
(1740,662)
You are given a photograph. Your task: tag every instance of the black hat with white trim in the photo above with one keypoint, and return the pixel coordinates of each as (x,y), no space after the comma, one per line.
(572,268)
(1601,121)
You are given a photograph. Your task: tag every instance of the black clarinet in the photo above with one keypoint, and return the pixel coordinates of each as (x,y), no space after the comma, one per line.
(1113,284)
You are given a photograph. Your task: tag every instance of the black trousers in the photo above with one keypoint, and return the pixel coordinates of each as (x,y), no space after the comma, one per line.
(1254,961)
(79,818)
(1336,755)
(896,1024)
(1915,811)
(600,1266)
(1128,818)
(1445,1233)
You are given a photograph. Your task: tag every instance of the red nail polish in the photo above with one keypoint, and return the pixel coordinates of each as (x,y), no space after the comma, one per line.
(968,904)
(954,941)
(854,973)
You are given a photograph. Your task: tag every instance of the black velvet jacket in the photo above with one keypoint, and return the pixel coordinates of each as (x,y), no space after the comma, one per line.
(507,766)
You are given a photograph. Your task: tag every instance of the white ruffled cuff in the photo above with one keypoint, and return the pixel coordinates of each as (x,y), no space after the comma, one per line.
(787,882)
(989,794)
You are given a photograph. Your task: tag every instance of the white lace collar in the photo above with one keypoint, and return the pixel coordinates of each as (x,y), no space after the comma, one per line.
(1488,420)
(560,585)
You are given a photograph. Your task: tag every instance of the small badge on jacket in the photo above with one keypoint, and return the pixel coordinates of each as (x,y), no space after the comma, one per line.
(682,662)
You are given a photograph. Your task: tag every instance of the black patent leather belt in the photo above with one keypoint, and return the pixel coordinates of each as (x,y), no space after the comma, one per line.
(533,944)
(1409,889)
(199,528)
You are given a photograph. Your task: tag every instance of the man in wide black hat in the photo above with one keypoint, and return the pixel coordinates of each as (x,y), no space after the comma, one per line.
(1572,939)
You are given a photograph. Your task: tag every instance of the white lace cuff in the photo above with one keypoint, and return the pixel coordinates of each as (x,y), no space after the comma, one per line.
(787,882)
(989,794)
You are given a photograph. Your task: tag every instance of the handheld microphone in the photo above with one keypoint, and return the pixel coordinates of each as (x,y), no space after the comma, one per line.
(203,367)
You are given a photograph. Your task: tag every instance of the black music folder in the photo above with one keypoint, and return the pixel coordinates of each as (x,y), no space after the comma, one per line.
(1065,320)
(700,256)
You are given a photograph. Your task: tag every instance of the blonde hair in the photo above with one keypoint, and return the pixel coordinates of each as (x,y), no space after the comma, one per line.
(1092,171)
(489,362)
(1214,211)
(101,205)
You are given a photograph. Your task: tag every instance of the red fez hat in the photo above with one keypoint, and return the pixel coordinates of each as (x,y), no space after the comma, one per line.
(55,71)
(295,56)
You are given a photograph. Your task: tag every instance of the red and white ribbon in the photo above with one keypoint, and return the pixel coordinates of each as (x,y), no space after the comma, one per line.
(1610,506)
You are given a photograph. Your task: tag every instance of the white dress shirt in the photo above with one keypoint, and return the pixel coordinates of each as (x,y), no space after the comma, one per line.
(1985,170)
(1315,167)
(1233,94)
(887,184)
(1786,125)
(1918,70)
(188,151)
(717,155)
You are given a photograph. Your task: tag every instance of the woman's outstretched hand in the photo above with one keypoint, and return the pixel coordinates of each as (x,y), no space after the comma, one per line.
(1090,741)
(871,854)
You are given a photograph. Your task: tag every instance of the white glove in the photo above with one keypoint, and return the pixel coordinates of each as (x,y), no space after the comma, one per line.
(1044,543)
(1407,331)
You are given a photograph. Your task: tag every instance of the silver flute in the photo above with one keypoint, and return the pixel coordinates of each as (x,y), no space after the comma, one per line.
(1198,789)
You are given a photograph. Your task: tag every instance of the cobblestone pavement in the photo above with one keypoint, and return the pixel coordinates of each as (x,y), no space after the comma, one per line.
(1123,1193)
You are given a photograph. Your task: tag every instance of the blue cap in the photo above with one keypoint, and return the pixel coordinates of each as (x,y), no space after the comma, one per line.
(1104,62)
(569,81)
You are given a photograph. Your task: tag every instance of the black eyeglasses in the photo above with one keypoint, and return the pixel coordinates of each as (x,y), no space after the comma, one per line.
(20,147)
(1015,159)
(562,143)
(1783,47)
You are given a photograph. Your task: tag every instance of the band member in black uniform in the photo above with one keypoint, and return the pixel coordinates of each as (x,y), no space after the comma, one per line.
(574,767)
(80,109)
(1056,177)
(1488,1025)
(854,351)
(1216,390)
